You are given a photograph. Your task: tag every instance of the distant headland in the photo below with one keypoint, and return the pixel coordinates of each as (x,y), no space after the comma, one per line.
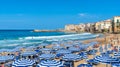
(57,30)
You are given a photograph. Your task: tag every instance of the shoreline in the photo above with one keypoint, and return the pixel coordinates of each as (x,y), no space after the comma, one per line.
(103,40)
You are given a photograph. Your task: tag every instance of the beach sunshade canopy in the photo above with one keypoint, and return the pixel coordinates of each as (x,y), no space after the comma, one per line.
(73,49)
(5,50)
(84,65)
(57,47)
(117,54)
(83,47)
(23,63)
(115,64)
(50,63)
(68,45)
(44,44)
(105,59)
(30,48)
(47,56)
(92,61)
(6,58)
(71,57)
(45,49)
(63,52)
(83,55)
(93,51)
(29,53)
(55,43)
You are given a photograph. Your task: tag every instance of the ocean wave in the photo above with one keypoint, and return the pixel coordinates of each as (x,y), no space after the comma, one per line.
(53,37)
(26,41)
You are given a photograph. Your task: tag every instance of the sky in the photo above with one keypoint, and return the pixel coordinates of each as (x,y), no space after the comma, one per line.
(54,14)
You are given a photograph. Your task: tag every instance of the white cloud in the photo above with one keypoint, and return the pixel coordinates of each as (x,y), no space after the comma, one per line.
(87,15)
(82,14)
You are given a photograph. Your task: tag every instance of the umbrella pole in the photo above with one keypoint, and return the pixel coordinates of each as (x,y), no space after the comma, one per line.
(106,65)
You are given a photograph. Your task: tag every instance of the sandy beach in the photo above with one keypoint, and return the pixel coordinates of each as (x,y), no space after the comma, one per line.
(113,39)
(108,39)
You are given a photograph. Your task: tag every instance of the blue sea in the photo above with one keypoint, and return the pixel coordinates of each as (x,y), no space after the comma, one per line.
(14,38)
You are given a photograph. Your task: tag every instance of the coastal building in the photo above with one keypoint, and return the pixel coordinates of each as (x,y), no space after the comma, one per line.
(97,27)
(87,27)
(92,27)
(116,24)
(109,25)
(103,26)
(75,28)
(81,27)
(70,27)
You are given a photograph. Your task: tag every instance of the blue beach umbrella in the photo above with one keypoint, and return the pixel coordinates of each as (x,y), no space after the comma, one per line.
(83,47)
(83,55)
(117,54)
(50,63)
(55,43)
(57,47)
(6,58)
(63,51)
(71,57)
(92,61)
(85,65)
(116,64)
(47,56)
(45,50)
(105,59)
(68,45)
(74,49)
(4,50)
(30,48)
(29,53)
(44,45)
(23,63)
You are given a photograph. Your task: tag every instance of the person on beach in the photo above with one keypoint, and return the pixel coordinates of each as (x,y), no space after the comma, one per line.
(17,54)
(2,65)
